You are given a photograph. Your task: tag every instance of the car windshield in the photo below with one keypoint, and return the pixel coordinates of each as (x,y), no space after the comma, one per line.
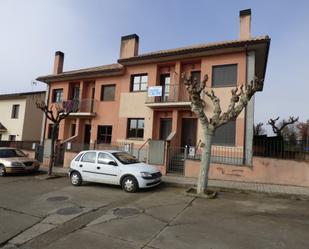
(125,158)
(7,153)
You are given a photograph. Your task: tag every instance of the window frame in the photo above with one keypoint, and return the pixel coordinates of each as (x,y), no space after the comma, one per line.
(225,85)
(136,129)
(140,82)
(102,92)
(54,94)
(15,111)
(105,134)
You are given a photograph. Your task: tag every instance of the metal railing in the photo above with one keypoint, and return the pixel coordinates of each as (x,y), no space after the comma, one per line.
(170,93)
(276,147)
(86,105)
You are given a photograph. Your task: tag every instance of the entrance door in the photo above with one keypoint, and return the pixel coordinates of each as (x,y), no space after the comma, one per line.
(87,135)
(188,132)
(165,128)
(165,81)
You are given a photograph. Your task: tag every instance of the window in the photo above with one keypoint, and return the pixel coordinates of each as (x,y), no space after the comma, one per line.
(108,92)
(225,75)
(104,134)
(225,134)
(135,128)
(15,111)
(89,157)
(104,158)
(73,128)
(12,138)
(196,75)
(139,82)
(57,95)
(79,157)
(0,137)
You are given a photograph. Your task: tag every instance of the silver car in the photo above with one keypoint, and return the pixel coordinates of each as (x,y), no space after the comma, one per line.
(15,161)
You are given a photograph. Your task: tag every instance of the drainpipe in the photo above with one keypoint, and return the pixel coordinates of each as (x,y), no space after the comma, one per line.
(44,117)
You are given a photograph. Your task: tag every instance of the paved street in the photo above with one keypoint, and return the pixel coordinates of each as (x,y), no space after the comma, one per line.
(36,213)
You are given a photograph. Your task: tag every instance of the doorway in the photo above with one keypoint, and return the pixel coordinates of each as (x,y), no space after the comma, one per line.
(165,81)
(87,134)
(165,128)
(188,132)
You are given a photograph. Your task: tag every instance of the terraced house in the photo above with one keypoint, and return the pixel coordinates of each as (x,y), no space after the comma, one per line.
(143,97)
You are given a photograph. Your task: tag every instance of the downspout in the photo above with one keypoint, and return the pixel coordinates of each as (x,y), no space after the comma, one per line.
(245,117)
(44,121)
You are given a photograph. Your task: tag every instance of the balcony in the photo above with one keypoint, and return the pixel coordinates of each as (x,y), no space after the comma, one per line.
(86,108)
(167,96)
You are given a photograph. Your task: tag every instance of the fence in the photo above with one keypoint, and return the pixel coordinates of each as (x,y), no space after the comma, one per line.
(24,145)
(276,147)
(141,154)
(219,154)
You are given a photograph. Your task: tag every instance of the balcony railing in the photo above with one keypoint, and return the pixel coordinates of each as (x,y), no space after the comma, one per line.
(167,93)
(87,106)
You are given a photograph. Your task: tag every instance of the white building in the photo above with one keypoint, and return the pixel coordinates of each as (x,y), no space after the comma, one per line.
(20,119)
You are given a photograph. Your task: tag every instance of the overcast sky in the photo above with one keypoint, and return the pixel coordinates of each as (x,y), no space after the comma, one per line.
(89,32)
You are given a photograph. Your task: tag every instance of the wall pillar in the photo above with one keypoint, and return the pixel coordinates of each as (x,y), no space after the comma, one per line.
(249,121)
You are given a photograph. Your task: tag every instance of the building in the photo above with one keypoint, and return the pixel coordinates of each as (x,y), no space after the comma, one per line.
(20,120)
(142,96)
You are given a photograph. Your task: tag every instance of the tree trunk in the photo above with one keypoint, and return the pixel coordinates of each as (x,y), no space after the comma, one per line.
(205,163)
(54,136)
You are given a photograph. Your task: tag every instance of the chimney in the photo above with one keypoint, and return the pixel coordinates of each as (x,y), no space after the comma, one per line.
(58,63)
(245,24)
(129,46)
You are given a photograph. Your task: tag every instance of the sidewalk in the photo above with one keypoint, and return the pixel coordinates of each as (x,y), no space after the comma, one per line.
(247,186)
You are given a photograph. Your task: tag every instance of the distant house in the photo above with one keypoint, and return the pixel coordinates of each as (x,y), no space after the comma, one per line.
(20,120)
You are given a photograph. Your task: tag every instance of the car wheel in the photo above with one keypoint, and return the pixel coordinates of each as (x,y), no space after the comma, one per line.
(2,170)
(76,178)
(129,184)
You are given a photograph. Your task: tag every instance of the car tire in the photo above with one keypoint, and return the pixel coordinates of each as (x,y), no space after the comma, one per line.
(76,179)
(2,170)
(129,184)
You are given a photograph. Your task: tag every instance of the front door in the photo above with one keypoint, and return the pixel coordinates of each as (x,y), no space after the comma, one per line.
(165,81)
(188,132)
(87,134)
(107,172)
(165,128)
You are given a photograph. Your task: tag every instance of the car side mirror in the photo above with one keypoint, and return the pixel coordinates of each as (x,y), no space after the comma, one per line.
(112,163)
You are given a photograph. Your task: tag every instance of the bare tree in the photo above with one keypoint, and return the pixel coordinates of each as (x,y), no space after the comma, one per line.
(278,128)
(239,100)
(258,130)
(303,129)
(56,113)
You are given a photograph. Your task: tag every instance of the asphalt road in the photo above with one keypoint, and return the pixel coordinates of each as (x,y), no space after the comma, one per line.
(36,213)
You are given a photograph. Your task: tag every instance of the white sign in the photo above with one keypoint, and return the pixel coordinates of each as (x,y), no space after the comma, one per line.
(191,151)
(154,91)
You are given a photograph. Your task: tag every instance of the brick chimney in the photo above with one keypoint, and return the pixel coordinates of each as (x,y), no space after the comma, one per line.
(58,63)
(129,46)
(245,24)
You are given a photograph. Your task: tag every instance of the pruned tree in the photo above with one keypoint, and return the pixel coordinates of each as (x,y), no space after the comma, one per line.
(303,129)
(56,113)
(240,97)
(278,128)
(258,129)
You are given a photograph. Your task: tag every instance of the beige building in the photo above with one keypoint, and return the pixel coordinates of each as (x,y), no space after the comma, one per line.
(20,120)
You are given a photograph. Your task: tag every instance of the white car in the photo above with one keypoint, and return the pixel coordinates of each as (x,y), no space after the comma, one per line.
(113,167)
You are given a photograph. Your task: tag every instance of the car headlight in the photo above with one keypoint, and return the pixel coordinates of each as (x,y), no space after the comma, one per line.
(146,174)
(16,164)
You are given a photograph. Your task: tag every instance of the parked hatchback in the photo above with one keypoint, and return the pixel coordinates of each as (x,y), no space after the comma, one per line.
(15,161)
(113,167)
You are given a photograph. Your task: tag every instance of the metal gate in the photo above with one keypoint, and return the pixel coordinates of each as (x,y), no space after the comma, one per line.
(176,160)
(59,157)
(39,152)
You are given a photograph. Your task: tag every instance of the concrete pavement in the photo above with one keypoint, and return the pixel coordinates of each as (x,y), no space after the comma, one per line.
(53,214)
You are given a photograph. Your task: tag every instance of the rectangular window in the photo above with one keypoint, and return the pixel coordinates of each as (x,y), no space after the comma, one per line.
(225,134)
(139,83)
(12,138)
(57,96)
(0,137)
(135,128)
(196,75)
(104,134)
(73,128)
(225,75)
(15,111)
(108,92)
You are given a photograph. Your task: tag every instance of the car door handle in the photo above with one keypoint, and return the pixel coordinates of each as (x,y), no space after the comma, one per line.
(98,167)
(81,165)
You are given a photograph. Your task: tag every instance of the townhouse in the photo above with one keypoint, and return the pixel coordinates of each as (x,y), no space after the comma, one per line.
(143,97)
(20,120)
